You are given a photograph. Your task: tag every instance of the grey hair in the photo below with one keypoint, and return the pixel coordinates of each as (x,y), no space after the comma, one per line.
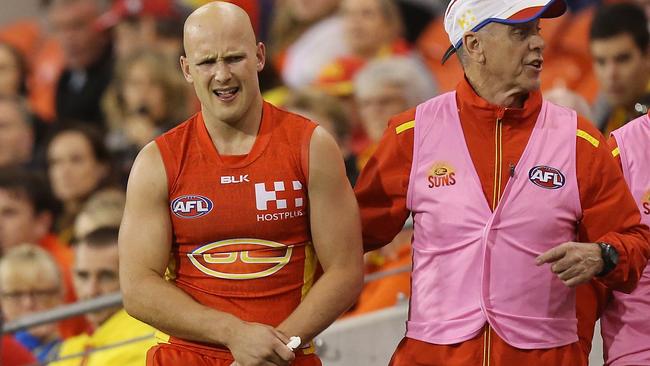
(407,72)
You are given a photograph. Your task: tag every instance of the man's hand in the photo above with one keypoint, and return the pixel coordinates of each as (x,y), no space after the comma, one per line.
(574,263)
(254,344)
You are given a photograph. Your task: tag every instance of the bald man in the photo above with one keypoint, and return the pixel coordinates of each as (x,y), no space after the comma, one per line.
(231,216)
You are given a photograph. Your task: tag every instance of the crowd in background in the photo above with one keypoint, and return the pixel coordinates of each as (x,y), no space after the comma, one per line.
(88,83)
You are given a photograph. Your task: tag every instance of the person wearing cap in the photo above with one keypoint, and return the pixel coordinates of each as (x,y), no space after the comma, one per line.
(625,324)
(515,202)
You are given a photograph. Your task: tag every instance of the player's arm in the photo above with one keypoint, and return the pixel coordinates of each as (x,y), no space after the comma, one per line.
(336,235)
(144,247)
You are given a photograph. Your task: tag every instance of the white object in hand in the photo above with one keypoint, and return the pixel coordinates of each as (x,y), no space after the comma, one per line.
(294,342)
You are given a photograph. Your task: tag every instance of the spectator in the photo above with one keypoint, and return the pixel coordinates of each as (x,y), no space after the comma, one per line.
(30,282)
(144,24)
(103,209)
(384,292)
(146,98)
(372,29)
(17,135)
(619,45)
(328,112)
(88,59)
(27,210)
(305,36)
(96,274)
(562,96)
(384,88)
(78,164)
(13,72)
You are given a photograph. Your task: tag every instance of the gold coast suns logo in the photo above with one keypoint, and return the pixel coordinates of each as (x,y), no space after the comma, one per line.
(645,203)
(440,175)
(241,259)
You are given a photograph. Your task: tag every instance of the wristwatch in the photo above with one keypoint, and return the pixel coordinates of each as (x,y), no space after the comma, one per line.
(610,258)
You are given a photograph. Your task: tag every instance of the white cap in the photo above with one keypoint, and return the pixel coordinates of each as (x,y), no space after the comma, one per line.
(471,15)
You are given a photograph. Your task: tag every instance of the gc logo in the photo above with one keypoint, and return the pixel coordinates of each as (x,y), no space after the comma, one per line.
(226,266)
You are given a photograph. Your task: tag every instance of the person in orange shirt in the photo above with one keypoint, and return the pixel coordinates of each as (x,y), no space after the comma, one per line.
(497,113)
(242,204)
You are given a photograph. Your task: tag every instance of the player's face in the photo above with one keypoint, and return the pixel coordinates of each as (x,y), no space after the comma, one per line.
(513,54)
(222,64)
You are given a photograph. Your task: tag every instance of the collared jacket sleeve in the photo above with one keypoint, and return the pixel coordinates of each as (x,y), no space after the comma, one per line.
(383,183)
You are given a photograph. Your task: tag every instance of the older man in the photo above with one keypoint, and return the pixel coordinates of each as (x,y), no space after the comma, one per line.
(515,202)
(247,199)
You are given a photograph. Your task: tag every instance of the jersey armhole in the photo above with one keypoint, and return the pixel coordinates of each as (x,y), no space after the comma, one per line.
(304,151)
(169,164)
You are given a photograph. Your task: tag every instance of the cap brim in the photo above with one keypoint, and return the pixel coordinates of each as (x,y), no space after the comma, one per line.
(450,51)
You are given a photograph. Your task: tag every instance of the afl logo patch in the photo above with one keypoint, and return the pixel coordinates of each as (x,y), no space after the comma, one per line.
(546,177)
(191,206)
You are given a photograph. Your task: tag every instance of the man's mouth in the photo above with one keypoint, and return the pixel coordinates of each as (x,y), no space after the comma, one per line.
(226,94)
(537,64)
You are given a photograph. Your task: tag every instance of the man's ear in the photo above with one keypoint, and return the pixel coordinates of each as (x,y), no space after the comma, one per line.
(185,67)
(473,47)
(260,55)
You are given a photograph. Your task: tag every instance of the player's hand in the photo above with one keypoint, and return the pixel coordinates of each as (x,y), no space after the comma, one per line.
(254,344)
(574,263)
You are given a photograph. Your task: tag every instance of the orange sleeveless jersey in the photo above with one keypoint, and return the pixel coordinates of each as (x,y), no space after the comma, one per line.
(241,236)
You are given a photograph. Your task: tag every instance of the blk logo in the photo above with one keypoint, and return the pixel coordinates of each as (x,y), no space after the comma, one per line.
(231,179)
(546,177)
(264,197)
(191,206)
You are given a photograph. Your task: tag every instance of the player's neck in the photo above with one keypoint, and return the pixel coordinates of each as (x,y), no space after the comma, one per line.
(236,137)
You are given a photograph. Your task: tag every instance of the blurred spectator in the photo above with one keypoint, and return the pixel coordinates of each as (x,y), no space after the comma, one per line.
(619,42)
(328,112)
(103,209)
(147,97)
(387,291)
(17,135)
(144,24)
(305,36)
(30,282)
(384,88)
(27,210)
(88,59)
(13,72)
(372,29)
(567,98)
(13,353)
(96,274)
(78,164)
